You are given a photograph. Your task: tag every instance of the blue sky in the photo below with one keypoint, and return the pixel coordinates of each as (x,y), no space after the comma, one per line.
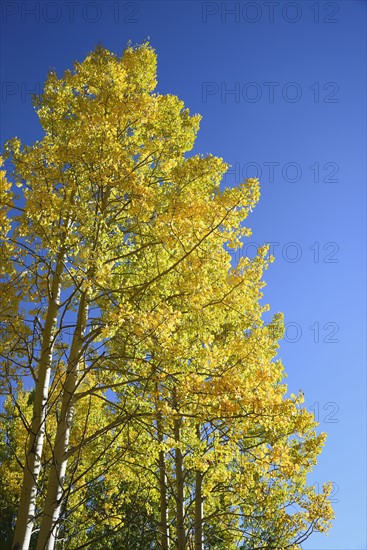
(281,87)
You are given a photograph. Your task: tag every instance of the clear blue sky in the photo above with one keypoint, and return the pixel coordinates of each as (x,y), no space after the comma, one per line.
(296,117)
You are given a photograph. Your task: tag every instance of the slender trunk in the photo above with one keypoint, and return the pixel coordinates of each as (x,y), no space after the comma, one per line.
(198,521)
(180,515)
(163,527)
(26,511)
(51,515)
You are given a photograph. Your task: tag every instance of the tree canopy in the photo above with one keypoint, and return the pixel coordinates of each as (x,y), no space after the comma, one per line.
(145,406)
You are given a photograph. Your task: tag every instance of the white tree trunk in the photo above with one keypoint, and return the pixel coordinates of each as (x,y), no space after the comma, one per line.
(32,466)
(51,515)
(164,531)
(163,527)
(199,507)
(198,521)
(180,514)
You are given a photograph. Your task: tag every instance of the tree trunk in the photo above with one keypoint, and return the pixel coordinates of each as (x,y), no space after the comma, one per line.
(164,531)
(51,515)
(198,522)
(180,515)
(32,466)
(163,527)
